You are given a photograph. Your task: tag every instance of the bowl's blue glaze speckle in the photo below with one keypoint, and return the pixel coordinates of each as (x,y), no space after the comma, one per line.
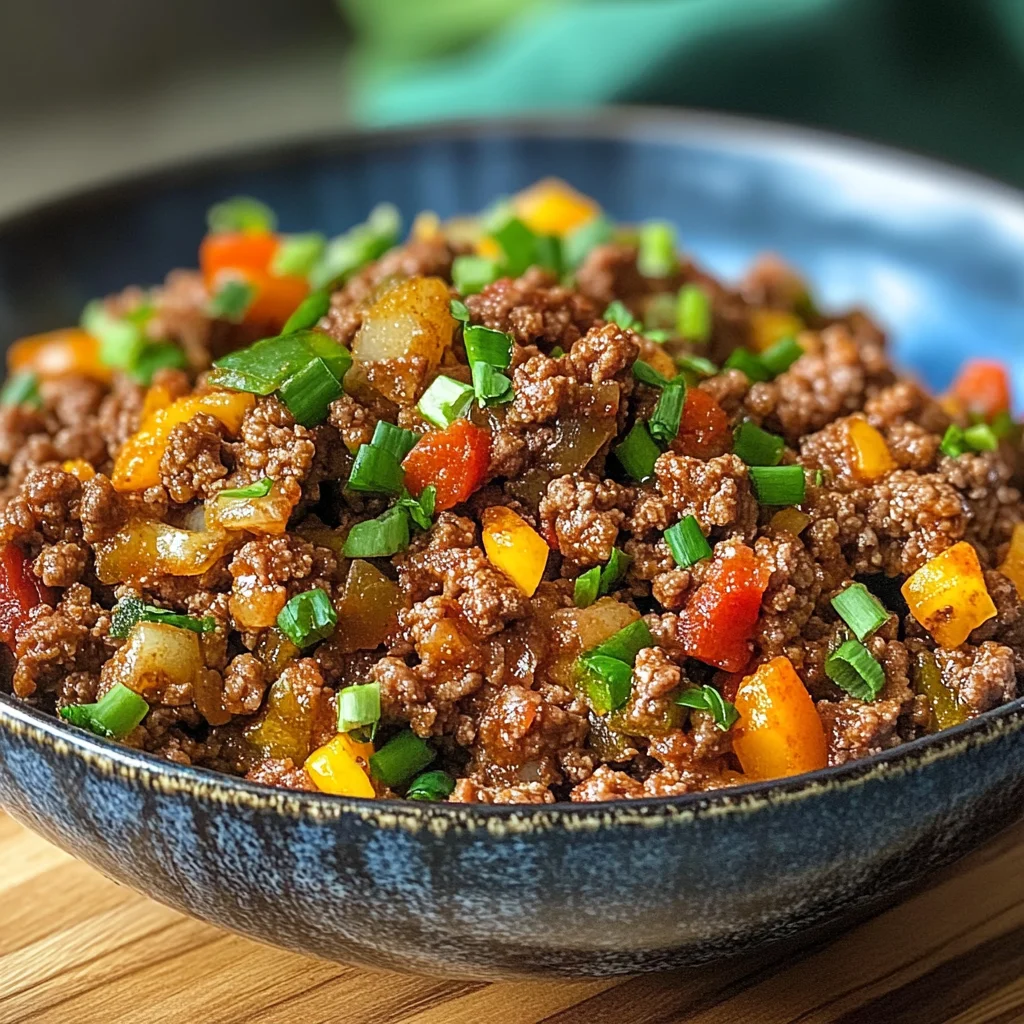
(574,890)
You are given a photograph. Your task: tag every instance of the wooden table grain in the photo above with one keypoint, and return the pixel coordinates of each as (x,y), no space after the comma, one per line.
(75,947)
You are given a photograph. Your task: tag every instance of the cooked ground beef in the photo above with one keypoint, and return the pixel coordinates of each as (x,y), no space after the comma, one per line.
(229,557)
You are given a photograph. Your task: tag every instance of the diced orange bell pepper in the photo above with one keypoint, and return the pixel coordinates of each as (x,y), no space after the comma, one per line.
(983,387)
(58,353)
(488,248)
(719,619)
(20,591)
(137,465)
(515,547)
(79,469)
(869,453)
(779,732)
(704,430)
(1013,563)
(767,326)
(339,767)
(551,207)
(948,596)
(157,397)
(454,460)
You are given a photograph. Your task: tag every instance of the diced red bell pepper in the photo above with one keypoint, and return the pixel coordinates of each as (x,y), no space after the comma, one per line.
(20,591)
(983,387)
(718,621)
(704,427)
(454,460)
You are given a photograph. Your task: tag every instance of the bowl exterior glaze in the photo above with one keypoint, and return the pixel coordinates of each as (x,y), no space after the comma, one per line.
(568,890)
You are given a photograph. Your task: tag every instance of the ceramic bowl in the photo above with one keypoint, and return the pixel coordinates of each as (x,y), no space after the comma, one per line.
(567,890)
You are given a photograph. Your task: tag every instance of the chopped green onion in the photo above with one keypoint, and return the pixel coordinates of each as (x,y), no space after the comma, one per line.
(757,447)
(308,312)
(548,253)
(668,413)
(660,313)
(231,300)
(981,438)
(752,365)
(687,542)
(656,255)
(131,610)
(607,682)
(597,581)
(638,453)
(618,313)
(358,246)
(1003,425)
(394,439)
(459,310)
(309,393)
(122,340)
(557,352)
(421,509)
(431,787)
(518,244)
(490,386)
(21,389)
(264,366)
(819,477)
(626,643)
(298,254)
(648,374)
(578,244)
(379,538)
(471,274)
(860,610)
(953,443)
(259,489)
(584,591)
(696,364)
(402,757)
(161,355)
(241,213)
(707,698)
(114,715)
(853,669)
(488,346)
(781,356)
(614,570)
(308,618)
(693,314)
(778,485)
(358,706)
(659,337)
(376,471)
(445,401)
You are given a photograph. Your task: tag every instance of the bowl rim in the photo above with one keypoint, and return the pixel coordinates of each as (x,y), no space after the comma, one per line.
(623,123)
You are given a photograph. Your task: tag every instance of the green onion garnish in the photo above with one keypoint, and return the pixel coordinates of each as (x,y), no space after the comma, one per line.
(597,581)
(607,682)
(240,213)
(114,715)
(687,542)
(21,389)
(402,757)
(518,244)
(358,706)
(614,571)
(263,367)
(693,314)
(490,386)
(358,246)
(648,374)
(626,643)
(487,346)
(431,787)
(308,618)
(376,471)
(853,669)
(658,336)
(778,485)
(548,253)
(459,310)
(131,610)
(656,255)
(1002,425)
(471,274)
(578,244)
(259,489)
(668,413)
(638,453)
(160,355)
(757,447)
(394,439)
(557,352)
(122,340)
(308,312)
(707,698)
(445,401)
(309,393)
(379,538)
(231,300)
(584,591)
(953,443)
(981,438)
(752,365)
(687,362)
(618,313)
(781,356)
(421,509)
(860,610)
(298,254)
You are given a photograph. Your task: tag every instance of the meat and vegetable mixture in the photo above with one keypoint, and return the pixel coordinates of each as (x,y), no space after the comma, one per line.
(525,508)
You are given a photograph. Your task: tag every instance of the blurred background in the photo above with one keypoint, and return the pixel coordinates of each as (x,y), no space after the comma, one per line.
(92,88)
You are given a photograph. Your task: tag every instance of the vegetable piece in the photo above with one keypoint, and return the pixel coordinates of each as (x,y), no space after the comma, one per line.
(607,682)
(445,401)
(779,732)
(358,706)
(860,610)
(781,356)
(746,361)
(130,610)
(980,437)
(490,386)
(638,453)
(230,302)
(618,313)
(757,447)
(597,581)
(402,757)
(778,485)
(719,619)
(431,787)
(308,312)
(265,509)
(381,537)
(20,591)
(695,366)
(790,519)
(21,389)
(421,509)
(948,596)
(240,214)
(626,643)
(687,542)
(472,274)
(514,546)
(584,591)
(375,471)
(298,254)
(367,610)
(1013,564)
(945,710)
(551,207)
(693,314)
(704,430)
(579,437)
(339,767)
(58,353)
(869,453)
(770,326)
(259,489)
(308,618)
(668,413)
(483,344)
(983,387)
(358,246)
(161,355)
(517,243)
(453,460)
(707,698)
(156,656)
(579,243)
(396,440)
(79,469)
(649,375)
(656,252)
(121,339)
(144,547)
(309,393)
(285,727)
(853,669)
(114,715)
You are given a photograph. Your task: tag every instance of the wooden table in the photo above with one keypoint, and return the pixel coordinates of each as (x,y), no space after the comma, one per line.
(76,949)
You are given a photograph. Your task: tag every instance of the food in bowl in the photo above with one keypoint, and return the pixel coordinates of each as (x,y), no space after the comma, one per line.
(526,508)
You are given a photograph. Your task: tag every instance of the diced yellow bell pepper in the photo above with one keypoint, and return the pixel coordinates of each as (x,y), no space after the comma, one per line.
(790,519)
(1013,563)
(871,456)
(551,207)
(79,468)
(137,465)
(57,353)
(426,226)
(768,326)
(515,547)
(488,248)
(339,767)
(948,596)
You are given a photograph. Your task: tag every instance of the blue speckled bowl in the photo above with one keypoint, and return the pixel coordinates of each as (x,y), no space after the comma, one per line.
(566,890)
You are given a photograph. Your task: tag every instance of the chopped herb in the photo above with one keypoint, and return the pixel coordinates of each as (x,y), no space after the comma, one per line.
(853,669)
(638,453)
(259,489)
(298,254)
(1003,426)
(668,413)
(358,246)
(749,363)
(263,367)
(308,312)
(557,352)
(160,355)
(981,438)
(598,581)
(490,386)
(394,439)
(693,314)
(626,643)
(696,364)
(618,313)
(656,254)
(376,471)
(241,213)
(401,758)
(431,787)
(122,340)
(459,310)
(486,345)
(757,447)
(649,375)
(614,571)
(860,610)
(471,274)
(421,509)
(131,610)
(379,538)
(607,682)
(578,244)
(358,706)
(819,477)
(308,618)
(309,392)
(707,698)
(687,542)
(659,337)
(114,715)
(584,591)
(445,401)
(548,253)
(231,300)
(21,389)
(778,485)
(518,245)
(781,356)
